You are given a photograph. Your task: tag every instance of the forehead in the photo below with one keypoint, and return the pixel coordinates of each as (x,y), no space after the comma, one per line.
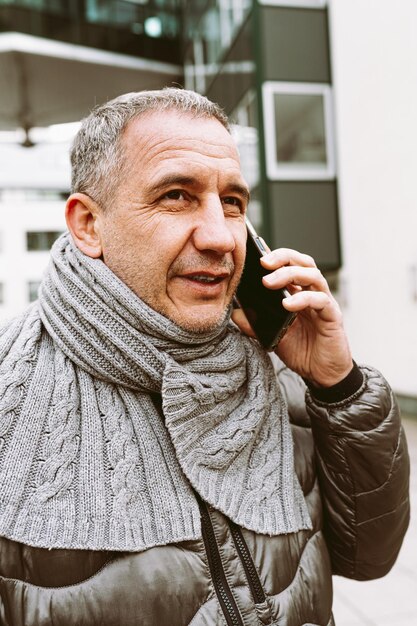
(154,139)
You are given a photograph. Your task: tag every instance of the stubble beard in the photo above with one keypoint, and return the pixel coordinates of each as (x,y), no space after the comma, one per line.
(193,321)
(196,324)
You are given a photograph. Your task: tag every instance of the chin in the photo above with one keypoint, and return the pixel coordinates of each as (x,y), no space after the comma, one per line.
(200,322)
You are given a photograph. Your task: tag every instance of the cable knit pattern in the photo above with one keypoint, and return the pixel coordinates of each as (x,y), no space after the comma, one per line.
(56,473)
(91,459)
(128,480)
(15,370)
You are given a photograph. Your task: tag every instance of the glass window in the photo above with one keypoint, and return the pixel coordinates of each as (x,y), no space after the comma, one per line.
(245,134)
(195,70)
(155,18)
(212,32)
(210,29)
(33,287)
(295,3)
(232,16)
(301,137)
(41,240)
(298,131)
(50,6)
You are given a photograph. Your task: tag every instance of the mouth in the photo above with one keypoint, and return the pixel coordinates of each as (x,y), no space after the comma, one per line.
(205,278)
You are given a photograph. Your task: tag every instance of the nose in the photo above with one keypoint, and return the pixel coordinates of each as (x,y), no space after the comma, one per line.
(212,230)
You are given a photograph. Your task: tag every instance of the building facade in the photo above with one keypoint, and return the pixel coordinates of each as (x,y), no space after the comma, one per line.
(323,109)
(33,186)
(268,64)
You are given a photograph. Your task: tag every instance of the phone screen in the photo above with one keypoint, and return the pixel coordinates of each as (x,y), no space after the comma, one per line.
(262,306)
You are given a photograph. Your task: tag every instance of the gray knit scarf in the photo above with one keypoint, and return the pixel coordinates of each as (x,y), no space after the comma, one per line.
(111,415)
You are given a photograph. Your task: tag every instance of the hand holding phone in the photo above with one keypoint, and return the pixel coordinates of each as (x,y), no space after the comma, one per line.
(262,306)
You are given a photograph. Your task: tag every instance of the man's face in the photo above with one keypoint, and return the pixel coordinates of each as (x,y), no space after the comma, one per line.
(175,233)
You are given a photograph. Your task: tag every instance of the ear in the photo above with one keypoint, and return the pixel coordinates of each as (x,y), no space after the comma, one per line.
(81,214)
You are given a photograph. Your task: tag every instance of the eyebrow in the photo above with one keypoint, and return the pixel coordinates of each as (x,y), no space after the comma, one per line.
(241,190)
(191,181)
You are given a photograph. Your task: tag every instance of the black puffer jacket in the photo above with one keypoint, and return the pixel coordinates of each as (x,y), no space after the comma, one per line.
(358,502)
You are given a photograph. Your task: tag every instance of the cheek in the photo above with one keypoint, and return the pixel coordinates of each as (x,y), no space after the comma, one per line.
(111,230)
(240,250)
(120,237)
(123,250)
(174,240)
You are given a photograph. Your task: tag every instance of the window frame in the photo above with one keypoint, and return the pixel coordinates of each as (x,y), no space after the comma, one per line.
(39,233)
(32,289)
(300,171)
(301,4)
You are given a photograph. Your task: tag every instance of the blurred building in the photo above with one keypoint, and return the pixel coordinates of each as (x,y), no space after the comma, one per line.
(33,186)
(59,58)
(322,105)
(267,63)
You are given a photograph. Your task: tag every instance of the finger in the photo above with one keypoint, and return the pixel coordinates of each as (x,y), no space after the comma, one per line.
(286,256)
(322,303)
(305,277)
(240,319)
(293,288)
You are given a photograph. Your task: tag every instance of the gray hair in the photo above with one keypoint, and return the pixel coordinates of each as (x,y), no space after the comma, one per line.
(97,156)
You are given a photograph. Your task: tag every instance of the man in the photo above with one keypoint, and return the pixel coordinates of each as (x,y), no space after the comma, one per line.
(149,473)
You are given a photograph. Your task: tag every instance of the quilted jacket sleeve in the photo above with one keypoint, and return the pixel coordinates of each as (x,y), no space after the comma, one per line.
(363,470)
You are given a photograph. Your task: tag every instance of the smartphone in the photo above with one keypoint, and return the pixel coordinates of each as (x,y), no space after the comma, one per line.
(262,306)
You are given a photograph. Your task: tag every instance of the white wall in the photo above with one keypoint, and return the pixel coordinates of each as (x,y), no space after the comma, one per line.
(17,265)
(43,167)
(374,58)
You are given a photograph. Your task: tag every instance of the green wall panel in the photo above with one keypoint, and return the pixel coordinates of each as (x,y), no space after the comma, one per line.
(295,44)
(304,216)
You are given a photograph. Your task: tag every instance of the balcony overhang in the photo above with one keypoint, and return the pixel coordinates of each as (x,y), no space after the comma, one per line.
(45,82)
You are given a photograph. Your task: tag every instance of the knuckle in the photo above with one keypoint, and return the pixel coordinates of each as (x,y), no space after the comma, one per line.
(309,260)
(319,273)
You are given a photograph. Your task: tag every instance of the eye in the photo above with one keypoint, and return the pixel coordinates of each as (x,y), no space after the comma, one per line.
(174,194)
(236,203)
